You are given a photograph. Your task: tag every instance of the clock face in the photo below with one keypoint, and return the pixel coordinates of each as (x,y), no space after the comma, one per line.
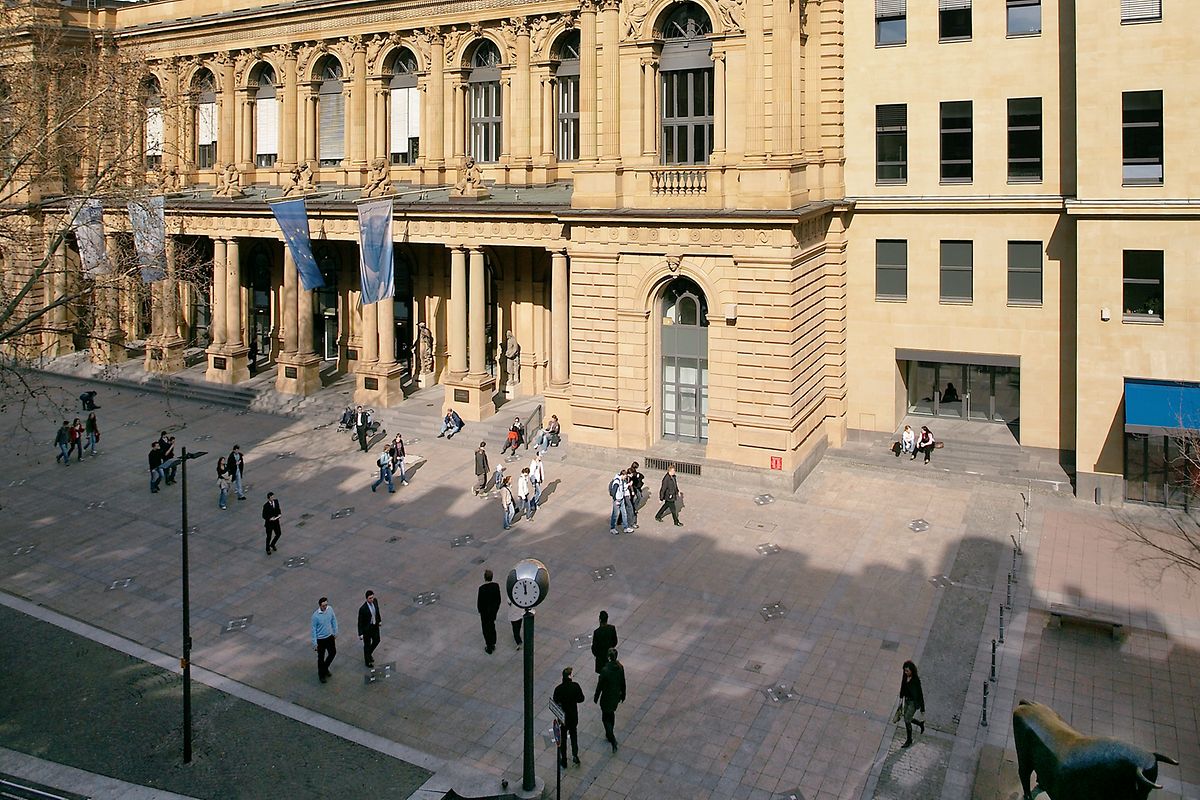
(525,592)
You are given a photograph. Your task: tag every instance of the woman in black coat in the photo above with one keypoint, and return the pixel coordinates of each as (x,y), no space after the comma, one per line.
(913,700)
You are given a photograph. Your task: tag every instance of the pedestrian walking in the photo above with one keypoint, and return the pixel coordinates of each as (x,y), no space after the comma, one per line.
(487,602)
(368,627)
(912,702)
(166,444)
(630,502)
(925,444)
(235,465)
(498,475)
(604,638)
(569,695)
(537,478)
(524,491)
(92,426)
(362,422)
(222,485)
(637,484)
(324,637)
(516,616)
(397,453)
(482,470)
(617,489)
(62,440)
(156,460)
(669,494)
(508,502)
(271,514)
(88,399)
(77,436)
(610,693)
(385,470)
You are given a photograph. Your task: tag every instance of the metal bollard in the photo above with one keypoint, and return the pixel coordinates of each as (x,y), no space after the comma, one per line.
(992,678)
(1001,624)
(983,717)
(1008,592)
(1014,564)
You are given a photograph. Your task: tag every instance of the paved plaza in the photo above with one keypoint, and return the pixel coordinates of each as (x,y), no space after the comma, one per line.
(762,641)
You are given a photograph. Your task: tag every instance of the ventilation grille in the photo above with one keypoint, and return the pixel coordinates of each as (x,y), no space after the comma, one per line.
(681,467)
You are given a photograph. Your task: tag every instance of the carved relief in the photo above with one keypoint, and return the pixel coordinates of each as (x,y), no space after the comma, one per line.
(450,40)
(538,31)
(732,14)
(421,43)
(633,16)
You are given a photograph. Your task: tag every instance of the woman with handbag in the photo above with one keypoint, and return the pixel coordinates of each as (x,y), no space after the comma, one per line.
(222,484)
(912,702)
(92,426)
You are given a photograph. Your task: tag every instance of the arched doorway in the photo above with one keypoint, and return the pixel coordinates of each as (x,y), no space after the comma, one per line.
(684,334)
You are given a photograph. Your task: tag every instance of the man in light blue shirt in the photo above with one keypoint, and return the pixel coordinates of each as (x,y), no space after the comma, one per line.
(324,637)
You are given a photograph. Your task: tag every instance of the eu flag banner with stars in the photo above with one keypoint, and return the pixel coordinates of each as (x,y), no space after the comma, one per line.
(87,219)
(375,250)
(292,216)
(147,219)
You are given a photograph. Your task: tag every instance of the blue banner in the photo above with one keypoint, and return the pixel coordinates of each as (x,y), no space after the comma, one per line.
(375,250)
(292,216)
(148,222)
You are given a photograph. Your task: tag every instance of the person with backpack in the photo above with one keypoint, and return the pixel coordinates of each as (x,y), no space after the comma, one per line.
(509,504)
(397,453)
(385,471)
(617,491)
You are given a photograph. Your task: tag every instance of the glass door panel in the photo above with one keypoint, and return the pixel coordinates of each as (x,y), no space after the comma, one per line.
(1156,469)
(1135,467)
(922,385)
(979,393)
(951,380)
(1008,394)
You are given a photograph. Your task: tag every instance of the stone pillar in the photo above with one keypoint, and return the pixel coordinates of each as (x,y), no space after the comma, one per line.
(290,278)
(171,118)
(220,306)
(458,109)
(521,98)
(167,353)
(304,320)
(245,156)
(226,137)
(381,144)
(476,327)
(233,295)
(288,128)
(370,335)
(436,132)
(610,144)
(378,384)
(548,126)
(754,83)
(310,127)
(719,105)
(299,368)
(649,106)
(358,112)
(386,327)
(782,41)
(458,312)
(560,319)
(587,80)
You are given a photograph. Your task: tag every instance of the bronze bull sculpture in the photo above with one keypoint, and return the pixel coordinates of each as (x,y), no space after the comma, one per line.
(1071,766)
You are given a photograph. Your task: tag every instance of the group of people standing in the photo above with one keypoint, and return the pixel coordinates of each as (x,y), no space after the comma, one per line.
(627,490)
(391,463)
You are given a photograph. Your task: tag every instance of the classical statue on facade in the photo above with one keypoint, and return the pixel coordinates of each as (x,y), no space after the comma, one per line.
(379,179)
(302,180)
(425,348)
(229,184)
(470,182)
(635,14)
(170,180)
(512,355)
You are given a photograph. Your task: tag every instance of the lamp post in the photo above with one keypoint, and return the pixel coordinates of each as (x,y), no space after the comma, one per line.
(185,660)
(528,585)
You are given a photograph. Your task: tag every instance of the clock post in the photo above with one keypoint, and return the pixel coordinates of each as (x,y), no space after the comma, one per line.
(528,584)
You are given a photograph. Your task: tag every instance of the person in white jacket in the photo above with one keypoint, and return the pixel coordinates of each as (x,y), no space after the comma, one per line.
(908,441)
(537,477)
(524,491)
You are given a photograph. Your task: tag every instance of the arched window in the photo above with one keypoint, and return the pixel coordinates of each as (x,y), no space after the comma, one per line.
(687,86)
(205,87)
(266,118)
(486,115)
(404,119)
(566,97)
(153,128)
(683,304)
(331,114)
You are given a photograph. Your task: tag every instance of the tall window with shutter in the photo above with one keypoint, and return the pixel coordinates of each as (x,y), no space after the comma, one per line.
(486,113)
(266,119)
(1025,140)
(891,22)
(1024,273)
(404,110)
(954,20)
(331,114)
(1142,138)
(957,141)
(1141,11)
(206,120)
(154,125)
(1024,17)
(957,283)
(891,143)
(566,98)
(891,269)
(687,86)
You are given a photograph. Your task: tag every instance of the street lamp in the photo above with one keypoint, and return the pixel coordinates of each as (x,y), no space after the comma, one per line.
(185,660)
(528,584)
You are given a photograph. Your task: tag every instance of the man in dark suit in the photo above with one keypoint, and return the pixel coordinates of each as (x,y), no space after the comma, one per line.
(569,695)
(362,421)
(368,627)
(604,638)
(669,493)
(488,604)
(482,471)
(271,515)
(610,693)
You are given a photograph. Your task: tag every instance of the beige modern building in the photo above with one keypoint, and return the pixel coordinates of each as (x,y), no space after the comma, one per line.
(746,229)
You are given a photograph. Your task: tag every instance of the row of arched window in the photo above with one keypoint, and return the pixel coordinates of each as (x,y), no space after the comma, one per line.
(685,103)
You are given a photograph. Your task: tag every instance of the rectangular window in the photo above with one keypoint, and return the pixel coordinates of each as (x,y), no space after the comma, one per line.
(956,142)
(1143,278)
(890,22)
(1141,11)
(567,91)
(1142,138)
(687,116)
(891,143)
(891,269)
(1024,17)
(957,284)
(1025,140)
(954,20)
(485,121)
(1024,273)
(404,124)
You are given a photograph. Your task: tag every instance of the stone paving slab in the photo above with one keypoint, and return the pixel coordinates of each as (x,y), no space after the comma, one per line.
(856,581)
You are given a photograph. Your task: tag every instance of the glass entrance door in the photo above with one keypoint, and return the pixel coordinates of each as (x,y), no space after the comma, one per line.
(684,362)
(964,391)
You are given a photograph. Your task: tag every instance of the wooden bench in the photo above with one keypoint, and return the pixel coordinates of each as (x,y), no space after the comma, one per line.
(1086,616)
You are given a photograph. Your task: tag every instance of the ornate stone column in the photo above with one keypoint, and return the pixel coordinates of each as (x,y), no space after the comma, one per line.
(521,112)
(358,112)
(560,319)
(471,394)
(167,354)
(718,58)
(610,53)
(108,339)
(476,310)
(379,384)
(288,130)
(458,312)
(299,367)
(587,80)
(245,154)
(226,137)
(219,305)
(458,108)
(548,126)
(649,106)
(435,146)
